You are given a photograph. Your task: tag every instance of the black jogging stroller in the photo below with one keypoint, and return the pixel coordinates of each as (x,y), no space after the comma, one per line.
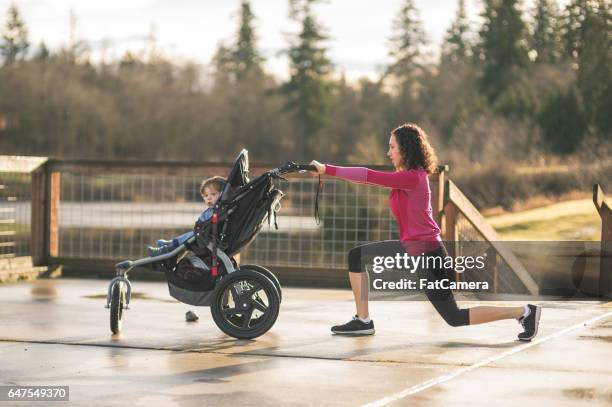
(244,300)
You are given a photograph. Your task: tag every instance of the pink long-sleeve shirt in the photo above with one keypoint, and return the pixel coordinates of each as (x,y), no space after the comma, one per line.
(409,201)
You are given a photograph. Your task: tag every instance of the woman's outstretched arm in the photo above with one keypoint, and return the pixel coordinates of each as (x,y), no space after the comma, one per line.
(400,179)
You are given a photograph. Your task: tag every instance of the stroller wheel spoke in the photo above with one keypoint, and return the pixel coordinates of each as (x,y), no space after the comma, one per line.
(259,305)
(247,318)
(235,296)
(231,311)
(255,287)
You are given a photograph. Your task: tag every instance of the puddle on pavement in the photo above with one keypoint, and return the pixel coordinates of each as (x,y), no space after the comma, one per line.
(588,394)
(216,381)
(44,290)
(607,338)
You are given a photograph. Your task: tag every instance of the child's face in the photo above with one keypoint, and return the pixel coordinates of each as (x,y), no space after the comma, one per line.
(210,196)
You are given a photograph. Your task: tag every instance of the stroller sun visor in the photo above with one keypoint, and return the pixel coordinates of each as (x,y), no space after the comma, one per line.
(238,176)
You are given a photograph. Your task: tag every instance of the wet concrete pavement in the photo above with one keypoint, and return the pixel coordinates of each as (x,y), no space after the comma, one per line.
(56,332)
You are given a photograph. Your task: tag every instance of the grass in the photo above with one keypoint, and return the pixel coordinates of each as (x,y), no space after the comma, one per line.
(570,220)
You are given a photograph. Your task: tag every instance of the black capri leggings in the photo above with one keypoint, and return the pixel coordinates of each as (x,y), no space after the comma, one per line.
(442,299)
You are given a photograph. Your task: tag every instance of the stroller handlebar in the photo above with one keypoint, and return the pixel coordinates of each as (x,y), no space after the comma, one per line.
(291,166)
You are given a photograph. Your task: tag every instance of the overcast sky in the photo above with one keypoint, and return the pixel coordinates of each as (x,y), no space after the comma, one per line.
(192,29)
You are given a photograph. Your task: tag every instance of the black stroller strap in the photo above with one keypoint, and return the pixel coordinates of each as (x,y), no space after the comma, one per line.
(272,212)
(317,215)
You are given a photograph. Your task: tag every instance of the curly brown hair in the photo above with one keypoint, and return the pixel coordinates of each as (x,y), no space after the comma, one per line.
(415,149)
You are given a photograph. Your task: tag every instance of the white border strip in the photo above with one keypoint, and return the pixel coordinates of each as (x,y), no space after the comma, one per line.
(444,378)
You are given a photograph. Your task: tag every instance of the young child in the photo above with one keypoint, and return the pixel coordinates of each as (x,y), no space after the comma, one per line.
(210,190)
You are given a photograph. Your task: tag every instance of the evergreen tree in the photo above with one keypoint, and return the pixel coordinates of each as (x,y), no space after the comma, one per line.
(242,92)
(595,66)
(576,12)
(245,55)
(236,62)
(456,46)
(407,44)
(546,39)
(487,15)
(563,122)
(308,90)
(14,41)
(504,46)
(223,65)
(43,52)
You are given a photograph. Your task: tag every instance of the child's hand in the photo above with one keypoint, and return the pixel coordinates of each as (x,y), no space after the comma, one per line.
(320,168)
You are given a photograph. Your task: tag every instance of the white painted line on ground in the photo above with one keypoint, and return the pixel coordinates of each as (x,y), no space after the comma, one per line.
(444,378)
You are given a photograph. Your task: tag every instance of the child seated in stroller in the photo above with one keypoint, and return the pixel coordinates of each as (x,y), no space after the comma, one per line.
(210,189)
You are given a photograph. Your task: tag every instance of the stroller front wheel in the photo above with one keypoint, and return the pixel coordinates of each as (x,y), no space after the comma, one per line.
(116,307)
(246,304)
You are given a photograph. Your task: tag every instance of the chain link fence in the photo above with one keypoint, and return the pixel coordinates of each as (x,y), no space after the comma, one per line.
(15,228)
(116,216)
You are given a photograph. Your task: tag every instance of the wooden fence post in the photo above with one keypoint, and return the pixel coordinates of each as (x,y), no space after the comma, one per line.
(54,211)
(605,264)
(437,196)
(38,216)
(44,217)
(450,232)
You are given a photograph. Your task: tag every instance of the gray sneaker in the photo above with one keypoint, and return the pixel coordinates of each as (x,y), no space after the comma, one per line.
(354,327)
(530,323)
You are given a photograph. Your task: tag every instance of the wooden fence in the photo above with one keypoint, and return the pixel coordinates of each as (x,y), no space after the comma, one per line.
(20,234)
(460,222)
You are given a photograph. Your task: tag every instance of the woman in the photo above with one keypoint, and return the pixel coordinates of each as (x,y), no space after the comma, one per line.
(414,159)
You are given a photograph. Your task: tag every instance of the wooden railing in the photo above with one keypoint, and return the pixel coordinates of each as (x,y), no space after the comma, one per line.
(605,265)
(20,232)
(457,205)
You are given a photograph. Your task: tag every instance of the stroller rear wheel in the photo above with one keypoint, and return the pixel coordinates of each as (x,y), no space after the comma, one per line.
(246,304)
(116,307)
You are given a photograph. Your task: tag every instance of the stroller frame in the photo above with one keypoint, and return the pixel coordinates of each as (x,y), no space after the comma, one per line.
(253,289)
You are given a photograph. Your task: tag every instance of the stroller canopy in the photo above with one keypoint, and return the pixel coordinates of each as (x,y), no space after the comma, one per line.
(243,207)
(238,176)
